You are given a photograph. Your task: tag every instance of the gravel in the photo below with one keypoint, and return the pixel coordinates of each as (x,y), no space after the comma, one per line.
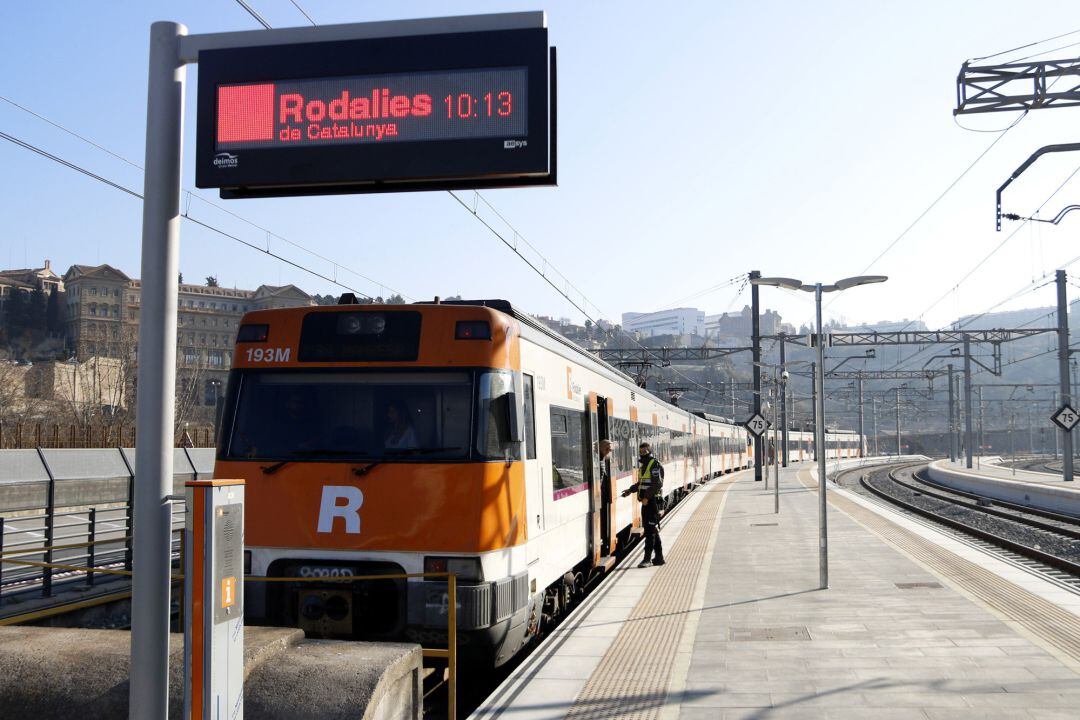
(1049,542)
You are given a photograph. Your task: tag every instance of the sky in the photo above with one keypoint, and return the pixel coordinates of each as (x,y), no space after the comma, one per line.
(697,141)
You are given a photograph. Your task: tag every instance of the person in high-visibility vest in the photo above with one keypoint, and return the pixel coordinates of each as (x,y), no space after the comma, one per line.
(650,491)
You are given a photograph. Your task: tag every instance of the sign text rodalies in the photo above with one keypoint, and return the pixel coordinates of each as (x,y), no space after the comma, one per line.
(407,107)
(436,111)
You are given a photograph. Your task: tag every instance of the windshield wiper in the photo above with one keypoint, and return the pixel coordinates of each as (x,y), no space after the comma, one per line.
(419,451)
(303,454)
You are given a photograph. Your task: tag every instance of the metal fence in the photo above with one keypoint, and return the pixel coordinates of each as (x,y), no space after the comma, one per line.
(65,511)
(30,435)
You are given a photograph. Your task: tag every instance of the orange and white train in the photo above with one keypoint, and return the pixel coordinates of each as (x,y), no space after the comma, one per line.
(439,437)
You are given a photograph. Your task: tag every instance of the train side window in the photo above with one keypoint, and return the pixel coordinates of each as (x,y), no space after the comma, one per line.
(567,456)
(530,419)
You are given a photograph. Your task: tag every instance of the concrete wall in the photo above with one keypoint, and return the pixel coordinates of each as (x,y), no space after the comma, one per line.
(54,673)
(84,477)
(1046,496)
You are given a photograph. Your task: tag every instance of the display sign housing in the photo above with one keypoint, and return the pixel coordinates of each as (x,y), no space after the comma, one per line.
(443,111)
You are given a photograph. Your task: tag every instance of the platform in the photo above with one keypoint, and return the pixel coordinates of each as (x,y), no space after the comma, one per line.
(989,468)
(914,625)
(1037,489)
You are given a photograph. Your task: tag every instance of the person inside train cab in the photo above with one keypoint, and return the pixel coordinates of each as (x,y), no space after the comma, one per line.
(399,431)
(650,491)
(604,449)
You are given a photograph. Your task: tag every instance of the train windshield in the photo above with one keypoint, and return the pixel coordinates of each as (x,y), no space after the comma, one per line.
(361,415)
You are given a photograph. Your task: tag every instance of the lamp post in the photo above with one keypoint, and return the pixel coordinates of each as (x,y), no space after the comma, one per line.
(819,410)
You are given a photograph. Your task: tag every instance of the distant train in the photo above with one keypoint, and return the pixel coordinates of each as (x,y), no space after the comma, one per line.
(442,437)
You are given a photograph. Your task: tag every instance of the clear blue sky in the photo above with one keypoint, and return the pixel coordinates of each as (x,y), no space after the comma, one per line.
(698,140)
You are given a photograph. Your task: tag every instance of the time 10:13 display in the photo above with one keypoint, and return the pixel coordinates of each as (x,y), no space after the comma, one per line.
(491,104)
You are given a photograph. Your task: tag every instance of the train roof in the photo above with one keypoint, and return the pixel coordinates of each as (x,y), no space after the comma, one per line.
(527,320)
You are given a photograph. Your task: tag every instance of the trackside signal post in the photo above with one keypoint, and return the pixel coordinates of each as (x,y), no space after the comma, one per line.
(370,107)
(214,600)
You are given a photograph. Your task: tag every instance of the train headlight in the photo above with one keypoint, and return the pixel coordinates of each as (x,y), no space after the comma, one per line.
(312,607)
(361,324)
(467,569)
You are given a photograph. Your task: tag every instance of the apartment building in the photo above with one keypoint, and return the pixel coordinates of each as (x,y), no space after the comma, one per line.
(102,310)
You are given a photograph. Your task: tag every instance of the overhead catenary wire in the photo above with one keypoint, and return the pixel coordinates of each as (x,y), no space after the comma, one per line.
(184,214)
(1024,46)
(983,261)
(189,193)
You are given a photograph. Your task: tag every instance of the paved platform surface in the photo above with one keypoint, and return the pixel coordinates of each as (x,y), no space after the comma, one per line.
(907,629)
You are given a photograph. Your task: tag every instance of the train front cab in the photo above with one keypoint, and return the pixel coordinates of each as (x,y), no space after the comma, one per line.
(313,422)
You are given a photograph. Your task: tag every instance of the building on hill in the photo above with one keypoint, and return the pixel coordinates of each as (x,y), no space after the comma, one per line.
(28,280)
(740,325)
(677,321)
(102,307)
(42,278)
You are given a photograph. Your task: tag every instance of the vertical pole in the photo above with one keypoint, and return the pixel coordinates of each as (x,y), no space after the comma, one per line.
(1012,442)
(732,385)
(1063,372)
(862,432)
(91,539)
(813,402)
(149,693)
(50,526)
(1057,436)
(755,342)
(952,419)
(1,555)
(873,410)
(819,437)
(1031,434)
(776,448)
(899,451)
(968,450)
(783,406)
(451,646)
(982,434)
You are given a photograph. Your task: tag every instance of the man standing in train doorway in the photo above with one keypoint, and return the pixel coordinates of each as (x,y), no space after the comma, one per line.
(649,489)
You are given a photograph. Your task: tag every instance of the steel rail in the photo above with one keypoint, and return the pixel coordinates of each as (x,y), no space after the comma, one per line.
(1049,514)
(1045,527)
(1019,548)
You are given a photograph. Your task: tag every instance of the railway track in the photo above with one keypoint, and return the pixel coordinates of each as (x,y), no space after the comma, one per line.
(1043,543)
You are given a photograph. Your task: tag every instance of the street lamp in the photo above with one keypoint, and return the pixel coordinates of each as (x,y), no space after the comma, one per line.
(819,381)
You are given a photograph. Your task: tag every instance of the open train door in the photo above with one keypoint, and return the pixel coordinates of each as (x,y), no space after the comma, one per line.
(600,486)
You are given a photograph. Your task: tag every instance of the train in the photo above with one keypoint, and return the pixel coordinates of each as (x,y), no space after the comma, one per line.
(442,437)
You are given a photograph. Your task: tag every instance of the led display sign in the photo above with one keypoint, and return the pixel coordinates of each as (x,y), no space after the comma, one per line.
(442,111)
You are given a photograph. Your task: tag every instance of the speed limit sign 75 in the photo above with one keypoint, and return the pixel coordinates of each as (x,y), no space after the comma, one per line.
(756,424)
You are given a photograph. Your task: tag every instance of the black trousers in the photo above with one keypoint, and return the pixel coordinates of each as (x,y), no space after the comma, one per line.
(650,519)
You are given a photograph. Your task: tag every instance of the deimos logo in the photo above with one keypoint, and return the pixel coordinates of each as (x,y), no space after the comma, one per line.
(226,160)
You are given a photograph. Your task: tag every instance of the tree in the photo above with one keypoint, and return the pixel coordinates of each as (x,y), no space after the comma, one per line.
(454,298)
(211,281)
(38,310)
(54,315)
(395,299)
(180,278)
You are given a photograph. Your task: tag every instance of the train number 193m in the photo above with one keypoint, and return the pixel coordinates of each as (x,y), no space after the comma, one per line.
(269,355)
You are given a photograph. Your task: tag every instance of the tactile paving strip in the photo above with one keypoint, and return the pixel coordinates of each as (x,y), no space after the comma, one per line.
(1057,627)
(631,680)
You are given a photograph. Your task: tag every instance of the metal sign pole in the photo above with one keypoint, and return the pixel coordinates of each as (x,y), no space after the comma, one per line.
(967,405)
(783,407)
(1063,372)
(152,551)
(952,420)
(755,331)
